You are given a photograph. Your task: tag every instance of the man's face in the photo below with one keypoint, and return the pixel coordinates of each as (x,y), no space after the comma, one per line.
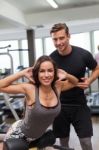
(61,41)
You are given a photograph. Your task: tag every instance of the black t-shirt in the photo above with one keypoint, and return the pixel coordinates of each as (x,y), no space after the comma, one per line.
(74,63)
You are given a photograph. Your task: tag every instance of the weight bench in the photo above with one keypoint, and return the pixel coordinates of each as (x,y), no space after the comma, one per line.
(47,139)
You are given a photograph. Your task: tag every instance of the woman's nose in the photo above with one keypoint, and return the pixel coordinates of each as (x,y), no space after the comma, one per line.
(46,73)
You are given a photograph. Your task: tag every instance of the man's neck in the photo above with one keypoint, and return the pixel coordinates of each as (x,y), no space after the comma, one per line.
(67,51)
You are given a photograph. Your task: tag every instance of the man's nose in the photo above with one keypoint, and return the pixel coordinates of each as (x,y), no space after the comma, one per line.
(58,41)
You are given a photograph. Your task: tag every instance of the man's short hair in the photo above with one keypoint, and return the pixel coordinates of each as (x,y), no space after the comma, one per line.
(58,27)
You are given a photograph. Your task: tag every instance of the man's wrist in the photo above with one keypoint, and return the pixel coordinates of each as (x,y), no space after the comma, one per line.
(90,80)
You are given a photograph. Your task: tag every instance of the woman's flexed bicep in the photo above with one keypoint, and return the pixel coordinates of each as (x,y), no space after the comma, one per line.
(67,85)
(64,85)
(7,81)
(14,89)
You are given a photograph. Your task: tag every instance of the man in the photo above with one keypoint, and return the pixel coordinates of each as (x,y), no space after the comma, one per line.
(97,60)
(97,55)
(74,109)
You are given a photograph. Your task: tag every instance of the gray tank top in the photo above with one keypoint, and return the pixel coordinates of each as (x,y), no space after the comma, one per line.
(38,118)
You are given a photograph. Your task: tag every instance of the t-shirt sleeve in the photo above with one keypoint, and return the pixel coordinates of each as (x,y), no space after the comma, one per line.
(91,63)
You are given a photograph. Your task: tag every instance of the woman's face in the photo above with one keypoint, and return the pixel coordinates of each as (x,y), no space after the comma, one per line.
(46,73)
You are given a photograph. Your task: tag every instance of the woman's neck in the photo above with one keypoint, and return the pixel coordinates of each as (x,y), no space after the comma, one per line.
(46,93)
(45,89)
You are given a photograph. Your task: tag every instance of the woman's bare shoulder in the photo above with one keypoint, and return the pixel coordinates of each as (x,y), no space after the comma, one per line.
(29,85)
(58,86)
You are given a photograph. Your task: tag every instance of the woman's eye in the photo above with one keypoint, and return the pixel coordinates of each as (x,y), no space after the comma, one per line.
(41,70)
(51,71)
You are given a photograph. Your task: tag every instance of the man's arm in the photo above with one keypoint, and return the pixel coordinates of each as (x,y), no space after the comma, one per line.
(86,81)
(94,75)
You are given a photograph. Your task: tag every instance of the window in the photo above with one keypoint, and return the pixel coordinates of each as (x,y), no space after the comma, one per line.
(38,48)
(38,51)
(49,46)
(81,40)
(96,40)
(24,54)
(14,54)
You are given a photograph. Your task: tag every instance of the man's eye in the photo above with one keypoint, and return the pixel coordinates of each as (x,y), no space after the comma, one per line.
(55,40)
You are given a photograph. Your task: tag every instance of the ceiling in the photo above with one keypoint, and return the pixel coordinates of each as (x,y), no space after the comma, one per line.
(19,15)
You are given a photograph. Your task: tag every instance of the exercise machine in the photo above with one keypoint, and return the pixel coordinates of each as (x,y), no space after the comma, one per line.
(3,74)
(9,104)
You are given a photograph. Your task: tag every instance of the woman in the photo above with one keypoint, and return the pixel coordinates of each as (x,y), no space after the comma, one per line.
(41,94)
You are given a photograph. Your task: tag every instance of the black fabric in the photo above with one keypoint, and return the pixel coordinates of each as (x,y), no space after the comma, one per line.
(74,63)
(47,139)
(79,116)
(15,144)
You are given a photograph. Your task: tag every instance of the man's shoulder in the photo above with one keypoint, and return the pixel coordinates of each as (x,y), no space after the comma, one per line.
(80,49)
(54,53)
(77,48)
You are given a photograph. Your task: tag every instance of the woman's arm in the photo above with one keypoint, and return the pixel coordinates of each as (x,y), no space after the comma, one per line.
(66,81)
(15,89)
(64,85)
(63,75)
(8,80)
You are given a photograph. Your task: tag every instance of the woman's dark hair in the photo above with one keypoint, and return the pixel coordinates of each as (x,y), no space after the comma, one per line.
(58,27)
(36,68)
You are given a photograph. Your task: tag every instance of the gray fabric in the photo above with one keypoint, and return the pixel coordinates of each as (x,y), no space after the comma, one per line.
(38,118)
(15,144)
(64,142)
(86,143)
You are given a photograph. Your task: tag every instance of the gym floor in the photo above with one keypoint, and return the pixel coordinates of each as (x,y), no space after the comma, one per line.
(74,142)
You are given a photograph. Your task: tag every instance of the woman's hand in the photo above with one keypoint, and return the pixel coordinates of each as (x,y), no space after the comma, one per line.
(28,73)
(62,74)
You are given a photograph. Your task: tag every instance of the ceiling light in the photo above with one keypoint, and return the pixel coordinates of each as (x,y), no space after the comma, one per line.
(52,3)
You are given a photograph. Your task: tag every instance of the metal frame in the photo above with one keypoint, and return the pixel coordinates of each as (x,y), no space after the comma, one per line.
(6,96)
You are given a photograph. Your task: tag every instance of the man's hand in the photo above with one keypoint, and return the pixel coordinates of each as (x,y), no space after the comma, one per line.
(84,83)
